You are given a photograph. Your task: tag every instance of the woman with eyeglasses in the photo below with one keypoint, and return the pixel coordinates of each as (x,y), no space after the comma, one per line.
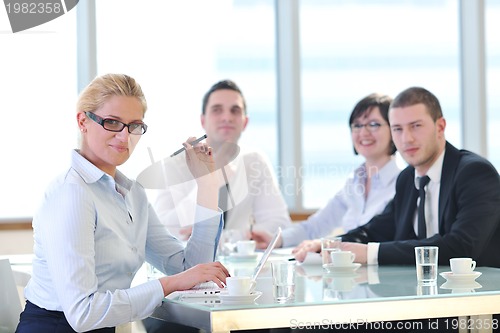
(365,193)
(95,227)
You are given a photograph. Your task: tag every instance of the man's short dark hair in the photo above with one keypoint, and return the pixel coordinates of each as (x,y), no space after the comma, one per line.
(223,85)
(418,95)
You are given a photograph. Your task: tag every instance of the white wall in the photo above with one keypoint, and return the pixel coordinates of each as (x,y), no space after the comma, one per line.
(16,242)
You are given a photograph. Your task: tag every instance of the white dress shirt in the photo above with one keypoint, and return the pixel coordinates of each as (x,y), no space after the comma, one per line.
(431,207)
(349,208)
(256,197)
(92,234)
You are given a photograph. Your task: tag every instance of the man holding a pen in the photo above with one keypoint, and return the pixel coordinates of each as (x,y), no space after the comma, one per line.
(250,195)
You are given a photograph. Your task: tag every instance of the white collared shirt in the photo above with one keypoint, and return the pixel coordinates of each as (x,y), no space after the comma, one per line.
(350,207)
(255,192)
(92,234)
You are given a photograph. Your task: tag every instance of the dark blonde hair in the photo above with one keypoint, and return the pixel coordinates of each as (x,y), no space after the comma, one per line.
(106,86)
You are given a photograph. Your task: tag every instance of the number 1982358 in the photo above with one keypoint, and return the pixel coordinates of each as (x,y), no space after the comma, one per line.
(472,323)
(34,8)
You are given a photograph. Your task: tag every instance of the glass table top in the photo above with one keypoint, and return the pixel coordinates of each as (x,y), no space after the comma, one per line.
(314,285)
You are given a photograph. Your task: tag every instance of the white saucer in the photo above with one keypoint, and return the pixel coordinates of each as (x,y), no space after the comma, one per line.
(229,299)
(239,256)
(342,269)
(460,278)
(461,287)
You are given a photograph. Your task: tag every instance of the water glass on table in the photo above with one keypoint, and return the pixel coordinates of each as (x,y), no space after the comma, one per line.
(329,245)
(283,274)
(426,259)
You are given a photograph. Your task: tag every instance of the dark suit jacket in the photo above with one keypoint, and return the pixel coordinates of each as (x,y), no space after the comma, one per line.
(469,214)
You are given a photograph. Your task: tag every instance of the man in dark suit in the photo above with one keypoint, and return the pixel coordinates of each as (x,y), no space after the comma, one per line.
(462,205)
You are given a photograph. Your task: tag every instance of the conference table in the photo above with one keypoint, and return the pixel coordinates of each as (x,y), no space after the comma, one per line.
(380,297)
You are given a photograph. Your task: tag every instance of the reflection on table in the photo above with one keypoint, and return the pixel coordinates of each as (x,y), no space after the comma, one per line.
(367,293)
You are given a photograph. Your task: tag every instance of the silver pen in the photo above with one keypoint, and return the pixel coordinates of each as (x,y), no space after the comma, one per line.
(192,144)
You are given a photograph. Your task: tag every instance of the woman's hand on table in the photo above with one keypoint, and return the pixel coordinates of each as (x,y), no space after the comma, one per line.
(213,271)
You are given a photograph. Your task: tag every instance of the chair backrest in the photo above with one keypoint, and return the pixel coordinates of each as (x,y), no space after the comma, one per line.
(10,305)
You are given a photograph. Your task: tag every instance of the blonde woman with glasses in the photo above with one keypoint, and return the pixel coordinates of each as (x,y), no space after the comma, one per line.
(95,227)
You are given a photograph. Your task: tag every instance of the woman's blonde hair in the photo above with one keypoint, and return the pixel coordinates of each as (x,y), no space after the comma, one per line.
(106,86)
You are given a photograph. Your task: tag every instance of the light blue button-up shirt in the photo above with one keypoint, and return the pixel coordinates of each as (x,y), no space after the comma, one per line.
(92,234)
(349,208)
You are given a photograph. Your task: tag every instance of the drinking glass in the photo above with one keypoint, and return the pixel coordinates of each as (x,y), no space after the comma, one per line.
(426,259)
(283,273)
(329,245)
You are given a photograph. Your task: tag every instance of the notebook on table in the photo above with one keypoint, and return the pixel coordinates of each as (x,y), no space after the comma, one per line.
(208,289)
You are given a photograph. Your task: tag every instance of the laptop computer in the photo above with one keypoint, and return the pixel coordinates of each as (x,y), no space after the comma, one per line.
(10,305)
(266,254)
(208,289)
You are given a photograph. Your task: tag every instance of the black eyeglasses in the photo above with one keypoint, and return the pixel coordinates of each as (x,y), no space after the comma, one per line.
(372,126)
(114,125)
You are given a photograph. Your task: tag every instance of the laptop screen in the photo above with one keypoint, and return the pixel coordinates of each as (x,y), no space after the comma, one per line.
(208,289)
(266,254)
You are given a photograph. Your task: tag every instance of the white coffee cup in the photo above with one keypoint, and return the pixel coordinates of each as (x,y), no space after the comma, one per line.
(462,265)
(240,285)
(342,258)
(329,245)
(245,247)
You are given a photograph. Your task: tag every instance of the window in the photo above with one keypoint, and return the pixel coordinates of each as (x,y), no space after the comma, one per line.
(350,49)
(177,50)
(492,17)
(39,93)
